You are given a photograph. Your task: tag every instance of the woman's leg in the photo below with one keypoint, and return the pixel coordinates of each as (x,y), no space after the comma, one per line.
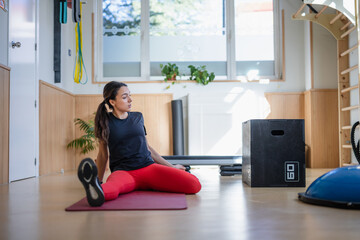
(162,178)
(118,182)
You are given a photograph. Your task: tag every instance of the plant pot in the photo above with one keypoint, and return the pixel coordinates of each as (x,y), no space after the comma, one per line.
(173,78)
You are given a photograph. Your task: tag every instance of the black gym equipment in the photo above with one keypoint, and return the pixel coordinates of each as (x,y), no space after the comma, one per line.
(355,147)
(274,153)
(178,127)
(230,170)
(232,162)
(204,160)
(229,165)
(57,42)
(76,14)
(63,11)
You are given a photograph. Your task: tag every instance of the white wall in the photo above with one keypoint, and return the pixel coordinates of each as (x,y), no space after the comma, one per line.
(68,44)
(215,121)
(46,46)
(325,58)
(354,95)
(307,55)
(4,31)
(46,41)
(353,60)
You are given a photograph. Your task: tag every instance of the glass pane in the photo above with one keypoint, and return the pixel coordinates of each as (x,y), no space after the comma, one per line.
(188,32)
(254,27)
(121,38)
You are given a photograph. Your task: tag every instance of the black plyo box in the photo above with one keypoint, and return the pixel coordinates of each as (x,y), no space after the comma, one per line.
(273,153)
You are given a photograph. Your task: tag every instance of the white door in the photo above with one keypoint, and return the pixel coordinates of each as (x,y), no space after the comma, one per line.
(22,89)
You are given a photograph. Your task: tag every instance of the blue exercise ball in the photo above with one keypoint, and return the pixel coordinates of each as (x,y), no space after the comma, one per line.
(338,188)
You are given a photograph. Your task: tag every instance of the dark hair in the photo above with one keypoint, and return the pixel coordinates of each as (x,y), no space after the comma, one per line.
(102,116)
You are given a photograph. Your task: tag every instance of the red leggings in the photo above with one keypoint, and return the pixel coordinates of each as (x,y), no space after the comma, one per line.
(153,177)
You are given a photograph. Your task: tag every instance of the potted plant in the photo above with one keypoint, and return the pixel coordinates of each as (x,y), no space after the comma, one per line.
(200,75)
(87,142)
(170,71)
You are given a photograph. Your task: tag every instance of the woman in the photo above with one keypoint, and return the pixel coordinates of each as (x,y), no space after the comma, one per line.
(134,164)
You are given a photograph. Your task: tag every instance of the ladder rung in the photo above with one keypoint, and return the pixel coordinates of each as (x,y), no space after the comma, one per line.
(321,11)
(336,18)
(349,69)
(348,32)
(348,127)
(349,89)
(298,11)
(349,164)
(345,26)
(349,50)
(350,108)
(346,146)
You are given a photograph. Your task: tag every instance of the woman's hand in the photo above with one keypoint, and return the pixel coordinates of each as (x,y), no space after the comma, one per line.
(160,160)
(178,166)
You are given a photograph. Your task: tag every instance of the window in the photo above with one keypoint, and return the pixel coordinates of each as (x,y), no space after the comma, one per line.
(235,39)
(121,38)
(254,39)
(187,33)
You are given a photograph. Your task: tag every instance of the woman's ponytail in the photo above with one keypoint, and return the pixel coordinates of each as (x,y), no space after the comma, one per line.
(102,122)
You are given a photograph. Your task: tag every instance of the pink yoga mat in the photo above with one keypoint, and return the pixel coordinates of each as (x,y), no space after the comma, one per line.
(138,200)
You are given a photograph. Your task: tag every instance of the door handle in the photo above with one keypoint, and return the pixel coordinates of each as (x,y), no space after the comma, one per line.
(15,44)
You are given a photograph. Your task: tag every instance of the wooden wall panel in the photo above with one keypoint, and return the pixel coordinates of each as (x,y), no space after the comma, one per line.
(308,127)
(286,105)
(4,123)
(85,108)
(324,131)
(319,108)
(156,109)
(57,111)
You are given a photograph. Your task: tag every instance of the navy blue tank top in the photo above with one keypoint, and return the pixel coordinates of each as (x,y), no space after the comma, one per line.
(127,143)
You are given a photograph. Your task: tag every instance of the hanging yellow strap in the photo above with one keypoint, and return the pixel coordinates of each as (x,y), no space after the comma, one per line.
(79,61)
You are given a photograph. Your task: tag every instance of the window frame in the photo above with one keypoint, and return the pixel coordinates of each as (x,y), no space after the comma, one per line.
(145,77)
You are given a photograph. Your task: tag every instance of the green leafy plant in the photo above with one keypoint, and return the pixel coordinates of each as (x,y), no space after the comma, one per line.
(170,71)
(201,75)
(87,142)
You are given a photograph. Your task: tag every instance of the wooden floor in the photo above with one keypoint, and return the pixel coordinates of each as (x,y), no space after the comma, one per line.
(224,209)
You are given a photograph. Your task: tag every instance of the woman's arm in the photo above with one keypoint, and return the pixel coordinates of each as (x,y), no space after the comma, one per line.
(102,159)
(160,160)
